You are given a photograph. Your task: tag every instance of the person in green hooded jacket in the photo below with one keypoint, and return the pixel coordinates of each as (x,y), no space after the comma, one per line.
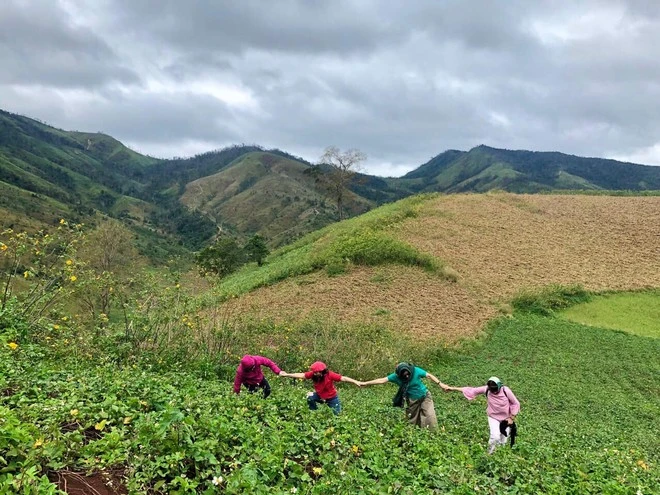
(413,393)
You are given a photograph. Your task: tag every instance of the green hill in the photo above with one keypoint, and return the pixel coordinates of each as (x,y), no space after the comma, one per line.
(484,168)
(47,174)
(275,196)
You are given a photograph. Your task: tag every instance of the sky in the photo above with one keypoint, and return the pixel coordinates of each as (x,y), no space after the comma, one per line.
(400,80)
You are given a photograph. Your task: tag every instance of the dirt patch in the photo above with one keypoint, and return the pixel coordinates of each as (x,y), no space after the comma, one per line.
(502,243)
(499,244)
(98,483)
(398,296)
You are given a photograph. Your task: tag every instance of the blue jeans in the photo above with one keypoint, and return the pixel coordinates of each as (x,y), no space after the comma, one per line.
(333,403)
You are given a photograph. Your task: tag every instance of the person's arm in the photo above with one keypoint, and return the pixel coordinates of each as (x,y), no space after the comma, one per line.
(292,375)
(238,381)
(437,381)
(377,381)
(263,361)
(470,393)
(349,380)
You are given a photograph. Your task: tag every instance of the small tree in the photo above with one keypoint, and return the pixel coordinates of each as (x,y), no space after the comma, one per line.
(110,256)
(221,258)
(343,166)
(256,249)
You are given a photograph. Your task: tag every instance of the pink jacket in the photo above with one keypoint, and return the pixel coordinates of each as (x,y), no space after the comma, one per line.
(501,405)
(254,376)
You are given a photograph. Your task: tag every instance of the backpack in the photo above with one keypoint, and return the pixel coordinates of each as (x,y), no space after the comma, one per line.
(507,395)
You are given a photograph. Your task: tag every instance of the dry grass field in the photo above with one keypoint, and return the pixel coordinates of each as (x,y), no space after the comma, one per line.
(499,244)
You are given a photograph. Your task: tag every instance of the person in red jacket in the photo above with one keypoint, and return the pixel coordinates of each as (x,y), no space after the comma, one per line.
(324,387)
(249,374)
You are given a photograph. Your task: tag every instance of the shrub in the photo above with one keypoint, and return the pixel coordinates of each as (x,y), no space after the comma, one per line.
(550,299)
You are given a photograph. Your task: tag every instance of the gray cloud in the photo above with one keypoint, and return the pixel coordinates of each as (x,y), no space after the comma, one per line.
(401,81)
(40,44)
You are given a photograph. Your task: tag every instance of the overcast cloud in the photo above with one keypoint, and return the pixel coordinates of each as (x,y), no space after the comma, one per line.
(402,81)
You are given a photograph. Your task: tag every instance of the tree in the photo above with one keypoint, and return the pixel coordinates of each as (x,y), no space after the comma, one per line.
(343,166)
(221,258)
(111,259)
(256,249)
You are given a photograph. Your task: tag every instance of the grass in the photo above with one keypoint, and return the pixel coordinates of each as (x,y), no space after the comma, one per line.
(549,299)
(363,240)
(589,399)
(634,312)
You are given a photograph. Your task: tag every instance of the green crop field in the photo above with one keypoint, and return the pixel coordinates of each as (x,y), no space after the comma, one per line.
(589,400)
(122,373)
(636,312)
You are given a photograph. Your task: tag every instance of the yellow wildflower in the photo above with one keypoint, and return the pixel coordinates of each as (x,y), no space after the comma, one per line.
(26,274)
(3,247)
(65,318)
(73,278)
(355,449)
(127,420)
(39,443)
(100,426)
(73,412)
(13,346)
(56,327)
(642,464)
(317,470)
(62,221)
(69,262)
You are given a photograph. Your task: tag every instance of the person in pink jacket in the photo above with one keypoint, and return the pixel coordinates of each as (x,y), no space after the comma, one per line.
(249,374)
(502,409)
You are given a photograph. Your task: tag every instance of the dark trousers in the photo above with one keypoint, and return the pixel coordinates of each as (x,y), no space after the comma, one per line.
(263,384)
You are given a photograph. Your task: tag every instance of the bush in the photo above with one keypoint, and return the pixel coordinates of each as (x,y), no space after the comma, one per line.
(550,299)
(221,258)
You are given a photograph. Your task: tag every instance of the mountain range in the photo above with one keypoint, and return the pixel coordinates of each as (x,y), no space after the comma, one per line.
(180,204)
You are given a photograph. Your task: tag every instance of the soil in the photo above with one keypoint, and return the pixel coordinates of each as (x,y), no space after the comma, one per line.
(98,483)
(499,244)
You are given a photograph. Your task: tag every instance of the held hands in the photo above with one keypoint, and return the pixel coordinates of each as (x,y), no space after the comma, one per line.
(444,386)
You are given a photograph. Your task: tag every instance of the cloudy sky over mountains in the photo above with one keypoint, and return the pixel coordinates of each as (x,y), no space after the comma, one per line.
(401,80)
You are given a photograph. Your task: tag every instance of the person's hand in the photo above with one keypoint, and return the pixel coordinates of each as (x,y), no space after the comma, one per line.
(361,384)
(282,373)
(511,420)
(443,386)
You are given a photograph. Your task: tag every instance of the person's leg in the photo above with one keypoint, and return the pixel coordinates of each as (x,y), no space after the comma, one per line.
(266,387)
(504,432)
(312,399)
(428,416)
(334,404)
(251,388)
(495,435)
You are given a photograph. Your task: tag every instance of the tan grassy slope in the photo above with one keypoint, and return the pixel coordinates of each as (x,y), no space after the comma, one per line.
(267,194)
(499,244)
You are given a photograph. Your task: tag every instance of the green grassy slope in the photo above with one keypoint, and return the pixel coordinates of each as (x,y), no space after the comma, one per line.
(636,312)
(361,240)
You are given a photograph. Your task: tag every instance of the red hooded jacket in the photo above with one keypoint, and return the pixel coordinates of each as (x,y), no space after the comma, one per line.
(249,371)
